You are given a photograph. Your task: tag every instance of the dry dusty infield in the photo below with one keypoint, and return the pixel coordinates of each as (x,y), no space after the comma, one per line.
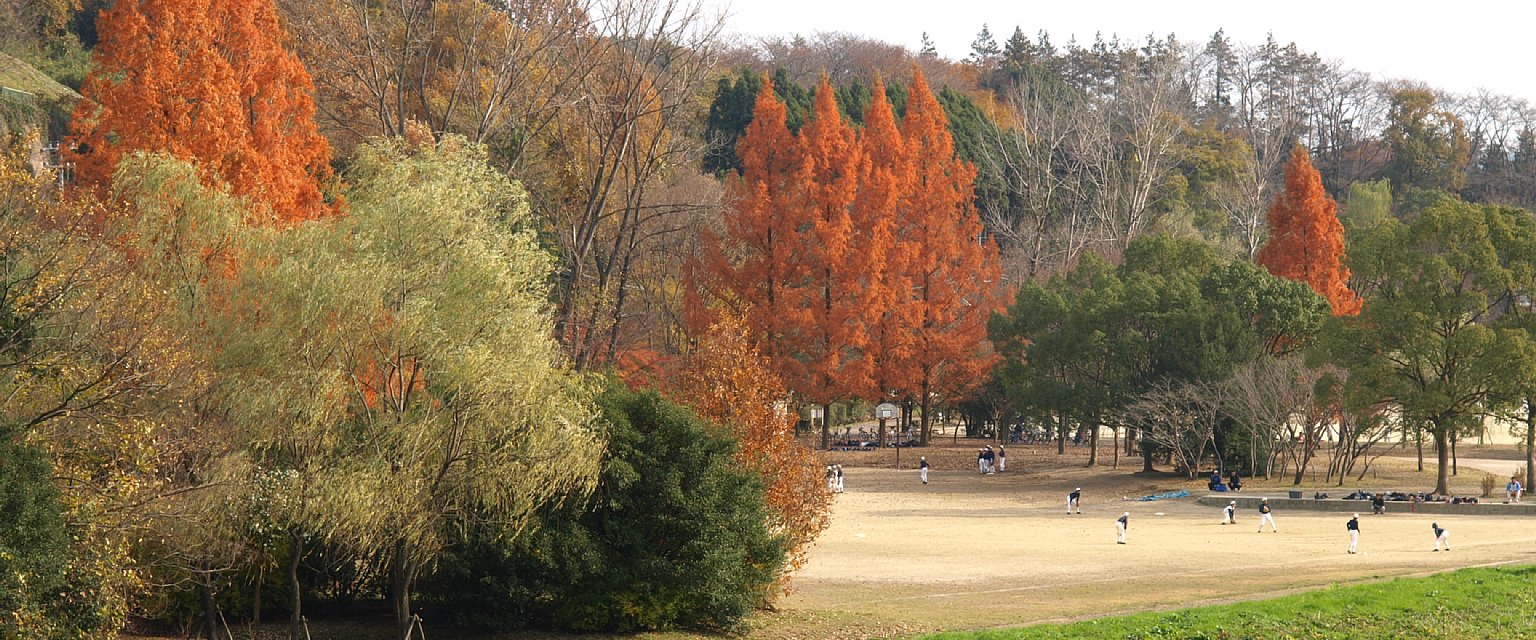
(968,551)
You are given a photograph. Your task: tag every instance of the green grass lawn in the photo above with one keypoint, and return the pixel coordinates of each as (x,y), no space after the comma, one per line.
(1471,603)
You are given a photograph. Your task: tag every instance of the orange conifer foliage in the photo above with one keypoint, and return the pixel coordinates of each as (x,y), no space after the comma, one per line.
(753,266)
(842,291)
(954,273)
(208,81)
(886,178)
(726,380)
(1306,239)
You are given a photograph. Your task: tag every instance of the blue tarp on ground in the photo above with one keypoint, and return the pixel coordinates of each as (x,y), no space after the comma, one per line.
(1164,496)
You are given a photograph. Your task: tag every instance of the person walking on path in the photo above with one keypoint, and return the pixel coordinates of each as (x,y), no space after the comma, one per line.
(1074,500)
(1512,491)
(1002,459)
(1229,513)
(1264,516)
(1354,532)
(1120,524)
(922,468)
(1441,536)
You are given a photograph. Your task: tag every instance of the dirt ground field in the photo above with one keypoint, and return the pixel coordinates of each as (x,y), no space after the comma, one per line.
(969,551)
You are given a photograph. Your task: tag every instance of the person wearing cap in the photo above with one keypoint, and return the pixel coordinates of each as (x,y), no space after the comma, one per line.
(1074,500)
(1264,516)
(981,460)
(1229,513)
(839,469)
(1354,532)
(1120,524)
(922,468)
(1441,536)
(1002,459)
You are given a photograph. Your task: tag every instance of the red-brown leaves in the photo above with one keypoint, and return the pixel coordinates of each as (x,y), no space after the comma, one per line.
(1306,239)
(209,82)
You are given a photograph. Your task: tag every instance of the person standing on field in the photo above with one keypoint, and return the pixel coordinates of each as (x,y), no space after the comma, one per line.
(1441,536)
(839,469)
(1002,459)
(1354,532)
(1229,514)
(1074,500)
(922,468)
(1265,517)
(1120,525)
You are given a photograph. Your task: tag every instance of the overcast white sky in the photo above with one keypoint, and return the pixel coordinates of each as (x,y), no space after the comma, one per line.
(1459,46)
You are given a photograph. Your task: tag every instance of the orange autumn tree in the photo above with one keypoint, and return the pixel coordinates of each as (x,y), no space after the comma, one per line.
(726,380)
(842,290)
(752,267)
(953,274)
(1306,239)
(886,176)
(207,81)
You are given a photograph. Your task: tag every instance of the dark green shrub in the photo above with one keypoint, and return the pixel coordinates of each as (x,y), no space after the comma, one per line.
(674,537)
(35,581)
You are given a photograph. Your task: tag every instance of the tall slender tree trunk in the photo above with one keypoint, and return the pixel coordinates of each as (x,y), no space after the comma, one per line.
(1453,455)
(210,610)
(1442,454)
(1116,448)
(261,573)
(1418,445)
(1146,455)
(1093,441)
(401,574)
(296,600)
(826,429)
(1061,433)
(1530,441)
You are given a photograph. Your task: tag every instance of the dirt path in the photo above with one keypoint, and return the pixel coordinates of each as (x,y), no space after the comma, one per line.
(970,551)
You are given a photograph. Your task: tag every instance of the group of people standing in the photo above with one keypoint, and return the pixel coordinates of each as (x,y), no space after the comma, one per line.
(835,478)
(989,461)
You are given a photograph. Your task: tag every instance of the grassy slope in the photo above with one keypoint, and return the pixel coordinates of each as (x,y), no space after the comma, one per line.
(1471,603)
(54,102)
(19,75)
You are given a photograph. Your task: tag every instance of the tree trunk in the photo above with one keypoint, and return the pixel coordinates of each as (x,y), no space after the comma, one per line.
(261,574)
(1061,433)
(1116,433)
(880,437)
(401,574)
(210,610)
(1093,442)
(1418,444)
(1442,454)
(296,601)
(1530,441)
(1146,455)
(1453,455)
(927,421)
(827,430)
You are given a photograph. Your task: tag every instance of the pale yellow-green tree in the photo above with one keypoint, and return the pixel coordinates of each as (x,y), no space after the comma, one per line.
(396,367)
